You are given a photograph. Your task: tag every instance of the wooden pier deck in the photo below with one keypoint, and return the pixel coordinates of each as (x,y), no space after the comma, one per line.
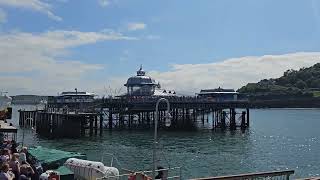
(186,112)
(136,113)
(55,124)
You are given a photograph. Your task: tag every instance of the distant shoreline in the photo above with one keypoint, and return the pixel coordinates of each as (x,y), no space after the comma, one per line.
(286,103)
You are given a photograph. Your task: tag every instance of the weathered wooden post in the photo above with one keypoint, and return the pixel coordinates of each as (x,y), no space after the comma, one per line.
(243,120)
(130,120)
(24,117)
(202,116)
(39,116)
(233,119)
(95,124)
(213,120)
(101,123)
(110,119)
(82,125)
(148,119)
(53,125)
(34,118)
(20,117)
(223,119)
(91,125)
(248,117)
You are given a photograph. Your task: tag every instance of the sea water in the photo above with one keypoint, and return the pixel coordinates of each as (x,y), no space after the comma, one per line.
(278,139)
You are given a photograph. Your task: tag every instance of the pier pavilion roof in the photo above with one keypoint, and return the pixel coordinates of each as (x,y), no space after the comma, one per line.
(140,79)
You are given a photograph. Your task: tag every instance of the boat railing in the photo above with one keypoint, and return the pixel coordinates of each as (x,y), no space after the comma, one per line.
(261,175)
(172,173)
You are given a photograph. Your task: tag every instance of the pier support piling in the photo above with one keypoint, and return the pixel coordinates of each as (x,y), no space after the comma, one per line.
(248,117)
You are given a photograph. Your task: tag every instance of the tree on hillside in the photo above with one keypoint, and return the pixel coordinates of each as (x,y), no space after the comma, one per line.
(315,83)
(289,72)
(301,84)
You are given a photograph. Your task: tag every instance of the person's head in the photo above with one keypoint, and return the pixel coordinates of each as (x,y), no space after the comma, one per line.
(13,143)
(22,157)
(6,151)
(15,157)
(24,150)
(4,158)
(5,167)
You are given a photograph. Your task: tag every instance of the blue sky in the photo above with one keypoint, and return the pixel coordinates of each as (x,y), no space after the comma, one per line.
(161,35)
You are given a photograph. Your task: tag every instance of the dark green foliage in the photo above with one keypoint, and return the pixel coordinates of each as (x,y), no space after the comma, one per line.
(293,84)
(301,84)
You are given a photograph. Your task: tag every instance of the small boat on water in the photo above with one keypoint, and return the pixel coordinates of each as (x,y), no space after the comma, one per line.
(50,161)
(91,170)
(68,165)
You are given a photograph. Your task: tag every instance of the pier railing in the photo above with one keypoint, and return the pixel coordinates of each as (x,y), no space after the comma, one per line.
(149,101)
(261,175)
(186,99)
(172,173)
(285,175)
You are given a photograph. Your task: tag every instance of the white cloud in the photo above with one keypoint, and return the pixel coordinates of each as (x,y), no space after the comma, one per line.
(35,5)
(136,26)
(231,73)
(38,63)
(3,16)
(104,3)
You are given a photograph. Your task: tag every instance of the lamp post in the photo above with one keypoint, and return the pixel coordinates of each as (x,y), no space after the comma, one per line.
(167,123)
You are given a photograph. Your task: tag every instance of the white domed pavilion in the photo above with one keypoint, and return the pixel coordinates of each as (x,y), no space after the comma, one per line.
(143,85)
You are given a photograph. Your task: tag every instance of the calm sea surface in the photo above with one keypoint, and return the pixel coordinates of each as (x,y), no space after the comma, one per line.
(278,139)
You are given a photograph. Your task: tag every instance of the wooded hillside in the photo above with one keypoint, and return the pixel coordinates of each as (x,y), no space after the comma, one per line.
(293,84)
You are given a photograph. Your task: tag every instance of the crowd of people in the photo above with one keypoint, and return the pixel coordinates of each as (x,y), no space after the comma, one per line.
(16,164)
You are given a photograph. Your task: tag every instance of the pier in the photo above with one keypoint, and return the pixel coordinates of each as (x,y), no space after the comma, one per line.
(128,113)
(186,112)
(55,124)
(73,113)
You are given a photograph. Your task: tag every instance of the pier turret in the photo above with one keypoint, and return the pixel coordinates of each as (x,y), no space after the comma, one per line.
(141,84)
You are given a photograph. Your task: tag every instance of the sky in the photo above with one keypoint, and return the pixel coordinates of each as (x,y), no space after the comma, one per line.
(50,46)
